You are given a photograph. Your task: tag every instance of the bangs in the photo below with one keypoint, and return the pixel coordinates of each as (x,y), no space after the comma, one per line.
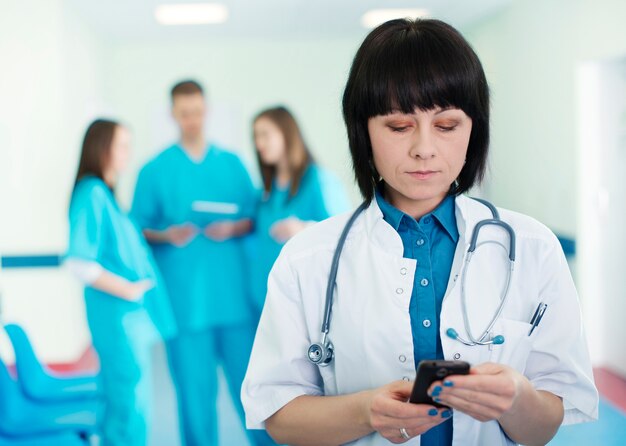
(416,69)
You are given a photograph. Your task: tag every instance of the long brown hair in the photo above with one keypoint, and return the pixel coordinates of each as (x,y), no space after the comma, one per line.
(298,155)
(96,149)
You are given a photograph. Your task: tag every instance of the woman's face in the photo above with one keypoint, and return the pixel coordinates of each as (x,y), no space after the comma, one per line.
(419,155)
(119,155)
(269,141)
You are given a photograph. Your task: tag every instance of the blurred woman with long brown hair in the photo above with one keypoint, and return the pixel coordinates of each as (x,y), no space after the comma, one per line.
(296,190)
(126,303)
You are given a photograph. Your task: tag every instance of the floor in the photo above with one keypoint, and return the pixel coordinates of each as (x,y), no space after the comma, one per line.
(165,427)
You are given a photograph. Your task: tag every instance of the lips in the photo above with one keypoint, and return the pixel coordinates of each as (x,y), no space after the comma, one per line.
(422,174)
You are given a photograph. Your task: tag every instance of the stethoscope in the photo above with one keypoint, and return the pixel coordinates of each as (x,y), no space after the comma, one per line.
(322,353)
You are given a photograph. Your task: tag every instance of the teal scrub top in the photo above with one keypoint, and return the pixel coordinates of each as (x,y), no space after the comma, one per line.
(101,232)
(320,196)
(205,279)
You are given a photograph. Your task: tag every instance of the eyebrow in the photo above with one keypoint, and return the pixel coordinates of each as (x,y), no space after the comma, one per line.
(445,109)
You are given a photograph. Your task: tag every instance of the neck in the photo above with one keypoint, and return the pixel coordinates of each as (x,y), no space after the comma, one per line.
(415,208)
(193,145)
(283,175)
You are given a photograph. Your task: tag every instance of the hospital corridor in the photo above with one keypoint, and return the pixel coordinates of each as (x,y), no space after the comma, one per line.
(245,223)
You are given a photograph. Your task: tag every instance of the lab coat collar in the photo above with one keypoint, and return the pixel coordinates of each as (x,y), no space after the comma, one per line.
(468,212)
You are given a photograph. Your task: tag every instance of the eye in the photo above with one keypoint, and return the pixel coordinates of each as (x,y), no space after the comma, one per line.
(400,129)
(445,128)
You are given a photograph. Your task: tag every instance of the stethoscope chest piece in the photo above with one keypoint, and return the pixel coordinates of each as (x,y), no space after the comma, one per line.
(321,353)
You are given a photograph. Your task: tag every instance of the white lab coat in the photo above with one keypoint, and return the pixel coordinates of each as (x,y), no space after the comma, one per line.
(371,330)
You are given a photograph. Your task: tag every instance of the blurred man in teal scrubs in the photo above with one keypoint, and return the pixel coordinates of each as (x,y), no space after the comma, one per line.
(194,202)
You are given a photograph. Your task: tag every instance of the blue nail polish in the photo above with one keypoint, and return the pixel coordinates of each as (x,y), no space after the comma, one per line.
(435,393)
(437,400)
(432,412)
(437,389)
(446,414)
(448,383)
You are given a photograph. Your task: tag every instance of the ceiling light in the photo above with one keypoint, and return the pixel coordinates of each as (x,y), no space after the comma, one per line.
(191,14)
(373,18)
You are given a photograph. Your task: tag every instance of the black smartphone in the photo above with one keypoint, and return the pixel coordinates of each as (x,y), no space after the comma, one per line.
(433,370)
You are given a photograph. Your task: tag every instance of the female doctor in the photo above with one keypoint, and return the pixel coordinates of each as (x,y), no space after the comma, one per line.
(416,108)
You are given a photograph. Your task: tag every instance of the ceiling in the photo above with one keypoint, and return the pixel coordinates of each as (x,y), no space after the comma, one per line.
(123,20)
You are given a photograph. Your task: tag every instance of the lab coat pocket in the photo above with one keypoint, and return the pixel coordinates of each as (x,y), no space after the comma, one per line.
(517,344)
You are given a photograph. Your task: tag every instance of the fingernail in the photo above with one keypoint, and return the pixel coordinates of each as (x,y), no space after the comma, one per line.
(446,414)
(436,391)
(432,412)
(448,383)
(437,400)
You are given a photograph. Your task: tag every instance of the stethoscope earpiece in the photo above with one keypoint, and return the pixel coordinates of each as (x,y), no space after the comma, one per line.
(451,332)
(496,340)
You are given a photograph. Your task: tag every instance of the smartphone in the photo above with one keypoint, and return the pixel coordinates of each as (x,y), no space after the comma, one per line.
(434,370)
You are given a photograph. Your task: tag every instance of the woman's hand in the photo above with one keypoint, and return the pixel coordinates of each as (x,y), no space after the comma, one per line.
(283,230)
(136,290)
(497,392)
(389,412)
(487,393)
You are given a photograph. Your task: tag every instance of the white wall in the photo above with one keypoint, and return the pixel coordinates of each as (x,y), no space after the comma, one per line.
(50,89)
(602,214)
(532,52)
(529,57)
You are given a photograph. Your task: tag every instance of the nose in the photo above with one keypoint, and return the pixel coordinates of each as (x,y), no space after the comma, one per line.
(422,146)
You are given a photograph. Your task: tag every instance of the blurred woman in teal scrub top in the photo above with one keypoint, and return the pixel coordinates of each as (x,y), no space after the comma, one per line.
(296,191)
(126,303)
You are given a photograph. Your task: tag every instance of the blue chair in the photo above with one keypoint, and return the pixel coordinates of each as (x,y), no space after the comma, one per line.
(38,383)
(23,419)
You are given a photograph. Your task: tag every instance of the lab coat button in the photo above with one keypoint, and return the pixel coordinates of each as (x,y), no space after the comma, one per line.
(403,271)
(426,323)
(406,378)
(402,358)
(399,291)
(457,356)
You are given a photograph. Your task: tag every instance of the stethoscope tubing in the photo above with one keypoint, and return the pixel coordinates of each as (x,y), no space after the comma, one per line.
(474,245)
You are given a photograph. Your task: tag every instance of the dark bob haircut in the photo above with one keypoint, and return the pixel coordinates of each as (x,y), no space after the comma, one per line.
(407,64)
